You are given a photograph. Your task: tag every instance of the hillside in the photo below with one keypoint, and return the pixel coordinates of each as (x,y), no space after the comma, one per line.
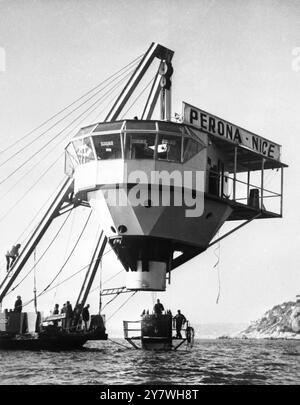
(280,322)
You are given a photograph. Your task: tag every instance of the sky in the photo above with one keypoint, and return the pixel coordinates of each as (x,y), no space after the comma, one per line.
(235,59)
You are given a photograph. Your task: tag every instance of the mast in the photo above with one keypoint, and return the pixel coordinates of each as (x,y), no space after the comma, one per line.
(92,270)
(155,51)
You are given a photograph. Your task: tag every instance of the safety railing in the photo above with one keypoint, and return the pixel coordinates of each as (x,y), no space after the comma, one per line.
(127,329)
(253,194)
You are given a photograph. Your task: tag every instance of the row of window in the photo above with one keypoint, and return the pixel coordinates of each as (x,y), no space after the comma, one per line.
(137,146)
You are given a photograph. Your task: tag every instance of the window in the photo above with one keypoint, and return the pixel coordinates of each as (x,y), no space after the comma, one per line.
(140,146)
(84,150)
(169,148)
(108,146)
(190,148)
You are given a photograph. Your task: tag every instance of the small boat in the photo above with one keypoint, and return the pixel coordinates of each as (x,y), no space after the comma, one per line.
(28,331)
(156,333)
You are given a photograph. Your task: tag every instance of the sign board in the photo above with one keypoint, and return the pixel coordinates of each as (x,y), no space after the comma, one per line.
(223,129)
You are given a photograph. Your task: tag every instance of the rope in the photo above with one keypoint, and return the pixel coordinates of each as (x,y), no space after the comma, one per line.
(39,211)
(121,306)
(30,188)
(120,344)
(62,140)
(45,251)
(52,139)
(66,248)
(67,279)
(107,280)
(140,94)
(35,216)
(68,106)
(70,254)
(117,294)
(216,265)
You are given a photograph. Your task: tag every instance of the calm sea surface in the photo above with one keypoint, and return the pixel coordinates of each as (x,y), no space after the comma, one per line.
(209,362)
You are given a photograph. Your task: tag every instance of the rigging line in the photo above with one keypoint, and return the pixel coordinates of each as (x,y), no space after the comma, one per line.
(67,247)
(68,106)
(70,254)
(116,296)
(121,306)
(41,160)
(51,140)
(106,106)
(136,99)
(55,124)
(43,133)
(120,344)
(40,210)
(30,188)
(219,286)
(108,93)
(217,253)
(45,251)
(35,216)
(68,278)
(29,171)
(107,280)
(60,141)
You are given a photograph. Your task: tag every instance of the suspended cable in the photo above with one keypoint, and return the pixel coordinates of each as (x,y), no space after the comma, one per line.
(136,99)
(115,296)
(39,211)
(60,141)
(19,238)
(58,122)
(67,279)
(107,280)
(70,254)
(217,253)
(68,106)
(108,93)
(45,251)
(51,140)
(111,100)
(28,191)
(121,306)
(67,245)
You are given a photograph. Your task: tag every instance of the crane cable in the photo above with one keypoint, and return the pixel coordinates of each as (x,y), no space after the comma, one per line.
(58,122)
(121,306)
(62,140)
(217,253)
(107,280)
(70,254)
(51,140)
(67,246)
(35,216)
(30,188)
(70,105)
(45,251)
(67,279)
(138,96)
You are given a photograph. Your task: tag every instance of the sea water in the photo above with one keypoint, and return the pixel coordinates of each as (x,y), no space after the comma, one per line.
(208,362)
